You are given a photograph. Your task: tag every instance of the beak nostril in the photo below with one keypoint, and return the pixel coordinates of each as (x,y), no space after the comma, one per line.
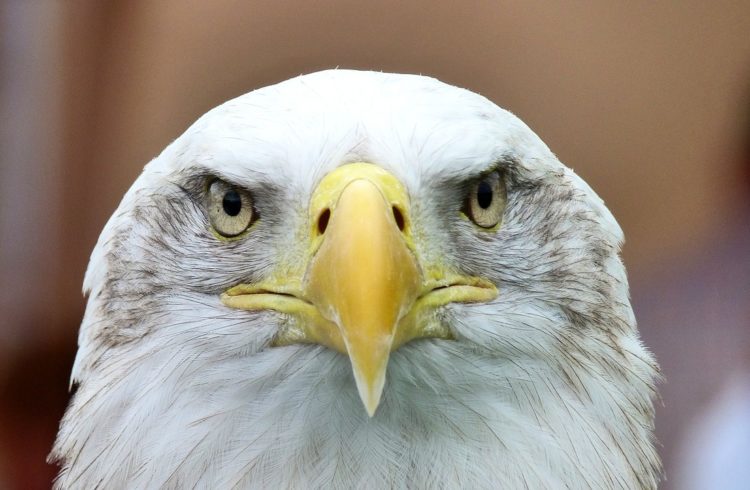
(399,217)
(323,220)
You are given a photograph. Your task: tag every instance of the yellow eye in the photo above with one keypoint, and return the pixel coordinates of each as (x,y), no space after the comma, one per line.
(230,209)
(486,200)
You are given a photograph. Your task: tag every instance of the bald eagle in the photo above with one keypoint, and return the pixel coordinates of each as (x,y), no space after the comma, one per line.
(359,280)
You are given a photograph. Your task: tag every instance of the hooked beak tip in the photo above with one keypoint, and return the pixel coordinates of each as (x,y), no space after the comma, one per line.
(370,388)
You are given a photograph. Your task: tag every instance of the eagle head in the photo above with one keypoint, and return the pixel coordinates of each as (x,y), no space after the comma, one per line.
(359,280)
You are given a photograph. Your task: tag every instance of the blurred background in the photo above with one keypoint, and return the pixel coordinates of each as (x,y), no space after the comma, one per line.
(648,101)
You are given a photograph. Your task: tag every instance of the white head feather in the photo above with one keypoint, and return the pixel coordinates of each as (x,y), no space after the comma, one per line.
(547,386)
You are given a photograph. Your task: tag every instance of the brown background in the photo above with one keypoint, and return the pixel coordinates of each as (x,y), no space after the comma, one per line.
(649,103)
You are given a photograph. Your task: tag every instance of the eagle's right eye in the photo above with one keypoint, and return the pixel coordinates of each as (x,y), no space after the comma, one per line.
(230,209)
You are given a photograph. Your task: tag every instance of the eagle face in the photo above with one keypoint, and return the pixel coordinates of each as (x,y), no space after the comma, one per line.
(356,279)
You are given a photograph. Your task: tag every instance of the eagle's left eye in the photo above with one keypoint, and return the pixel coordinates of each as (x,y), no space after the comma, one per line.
(485,203)
(230,209)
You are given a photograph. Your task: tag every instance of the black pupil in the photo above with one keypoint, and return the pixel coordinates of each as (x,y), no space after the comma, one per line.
(484,194)
(232,203)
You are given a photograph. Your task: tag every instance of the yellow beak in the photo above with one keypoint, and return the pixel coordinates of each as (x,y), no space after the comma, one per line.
(364,279)
(363,292)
